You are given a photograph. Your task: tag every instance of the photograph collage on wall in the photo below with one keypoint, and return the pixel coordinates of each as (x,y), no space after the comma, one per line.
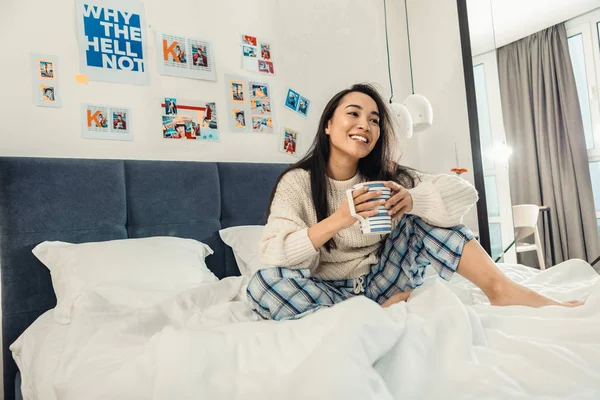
(297,103)
(256,55)
(185,57)
(106,122)
(112,41)
(260,107)
(249,105)
(46,87)
(186,119)
(289,142)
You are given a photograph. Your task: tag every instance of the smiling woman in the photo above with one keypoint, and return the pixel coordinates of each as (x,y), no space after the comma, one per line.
(317,252)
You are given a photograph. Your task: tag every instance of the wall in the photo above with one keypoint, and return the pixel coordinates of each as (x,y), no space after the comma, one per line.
(439,76)
(319,47)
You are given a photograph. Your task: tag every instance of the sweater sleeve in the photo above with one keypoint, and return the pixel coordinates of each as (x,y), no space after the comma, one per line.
(442,200)
(285,241)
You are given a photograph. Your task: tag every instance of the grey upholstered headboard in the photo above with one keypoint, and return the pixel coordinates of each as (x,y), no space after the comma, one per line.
(82,200)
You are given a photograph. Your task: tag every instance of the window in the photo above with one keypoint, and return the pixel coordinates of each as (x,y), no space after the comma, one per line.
(584,49)
(491,130)
(595,173)
(578,60)
(491,196)
(496,240)
(483,115)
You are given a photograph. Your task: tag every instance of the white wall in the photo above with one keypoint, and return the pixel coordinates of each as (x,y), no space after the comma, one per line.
(439,76)
(318,46)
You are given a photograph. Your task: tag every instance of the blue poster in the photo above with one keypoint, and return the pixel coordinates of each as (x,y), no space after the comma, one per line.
(112,41)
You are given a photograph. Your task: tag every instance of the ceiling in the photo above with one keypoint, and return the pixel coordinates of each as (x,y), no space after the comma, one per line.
(516,19)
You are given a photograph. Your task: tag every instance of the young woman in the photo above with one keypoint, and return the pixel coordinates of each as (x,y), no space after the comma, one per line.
(320,254)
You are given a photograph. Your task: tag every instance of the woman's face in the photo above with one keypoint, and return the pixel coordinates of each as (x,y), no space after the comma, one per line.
(354,128)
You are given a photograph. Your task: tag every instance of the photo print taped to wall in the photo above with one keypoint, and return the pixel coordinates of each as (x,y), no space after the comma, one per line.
(288,143)
(256,55)
(45,81)
(112,41)
(249,105)
(188,119)
(294,101)
(185,57)
(106,122)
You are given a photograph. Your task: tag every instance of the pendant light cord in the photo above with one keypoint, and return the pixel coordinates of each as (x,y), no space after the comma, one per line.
(387,47)
(412,82)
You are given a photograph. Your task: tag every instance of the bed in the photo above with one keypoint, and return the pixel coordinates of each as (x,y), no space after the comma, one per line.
(206,343)
(80,200)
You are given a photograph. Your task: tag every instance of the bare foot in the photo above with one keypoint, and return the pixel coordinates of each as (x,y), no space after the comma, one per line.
(396,298)
(513,294)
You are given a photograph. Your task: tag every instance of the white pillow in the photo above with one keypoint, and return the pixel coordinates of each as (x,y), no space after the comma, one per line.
(244,241)
(158,266)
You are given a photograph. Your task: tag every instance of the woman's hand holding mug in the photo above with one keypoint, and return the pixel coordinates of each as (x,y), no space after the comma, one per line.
(362,204)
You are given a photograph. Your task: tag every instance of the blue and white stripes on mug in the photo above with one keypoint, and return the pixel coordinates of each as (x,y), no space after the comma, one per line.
(379,224)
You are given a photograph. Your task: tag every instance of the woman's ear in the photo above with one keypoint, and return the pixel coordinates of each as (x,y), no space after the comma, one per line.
(327,128)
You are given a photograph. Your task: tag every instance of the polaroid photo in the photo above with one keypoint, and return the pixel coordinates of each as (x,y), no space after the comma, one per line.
(96,118)
(263,67)
(249,40)
(259,107)
(266,67)
(291,100)
(303,106)
(173,51)
(259,90)
(265,51)
(236,91)
(170,106)
(249,51)
(201,55)
(209,128)
(289,142)
(120,119)
(47,94)
(46,71)
(239,117)
(262,124)
(270,67)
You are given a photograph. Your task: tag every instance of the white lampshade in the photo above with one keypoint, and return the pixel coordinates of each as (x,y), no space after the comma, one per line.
(403,122)
(420,110)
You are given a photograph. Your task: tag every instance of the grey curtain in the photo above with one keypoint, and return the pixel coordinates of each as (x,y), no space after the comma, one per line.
(543,124)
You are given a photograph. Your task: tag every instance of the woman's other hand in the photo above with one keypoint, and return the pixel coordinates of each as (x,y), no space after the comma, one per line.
(400,202)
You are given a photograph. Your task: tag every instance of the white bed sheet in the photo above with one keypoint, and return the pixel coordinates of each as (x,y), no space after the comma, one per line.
(445,342)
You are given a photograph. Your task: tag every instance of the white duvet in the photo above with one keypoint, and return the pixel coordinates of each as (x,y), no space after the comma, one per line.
(445,342)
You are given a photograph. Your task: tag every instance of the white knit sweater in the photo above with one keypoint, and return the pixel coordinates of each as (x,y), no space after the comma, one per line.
(440,200)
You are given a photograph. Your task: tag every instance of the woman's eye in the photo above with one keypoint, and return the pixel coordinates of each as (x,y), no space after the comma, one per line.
(354,114)
(375,121)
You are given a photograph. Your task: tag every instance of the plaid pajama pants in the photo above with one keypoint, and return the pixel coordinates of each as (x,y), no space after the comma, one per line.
(282,293)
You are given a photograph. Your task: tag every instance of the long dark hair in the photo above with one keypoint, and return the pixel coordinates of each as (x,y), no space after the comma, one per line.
(377,166)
